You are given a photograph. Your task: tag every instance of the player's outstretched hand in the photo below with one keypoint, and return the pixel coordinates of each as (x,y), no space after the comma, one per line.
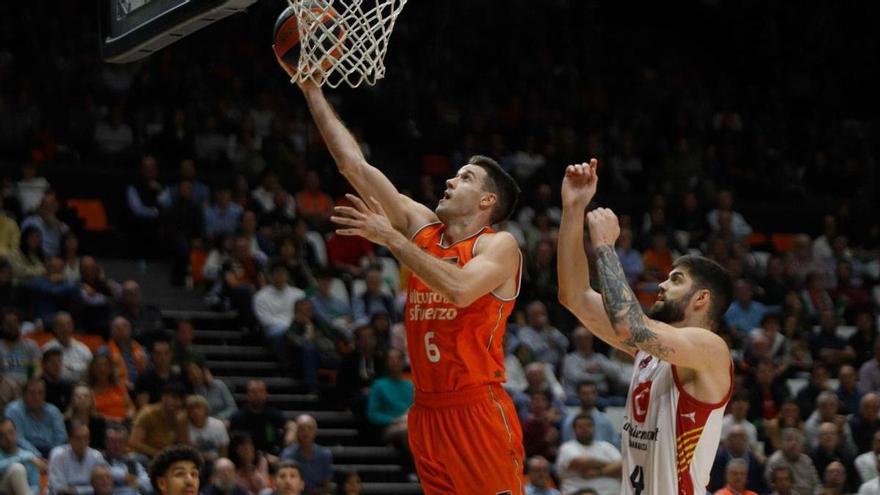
(604,227)
(370,222)
(579,184)
(305,84)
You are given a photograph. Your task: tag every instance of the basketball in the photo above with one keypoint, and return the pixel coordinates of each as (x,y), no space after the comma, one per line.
(321,24)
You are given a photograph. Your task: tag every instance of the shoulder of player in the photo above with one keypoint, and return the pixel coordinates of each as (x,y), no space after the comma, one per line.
(496,242)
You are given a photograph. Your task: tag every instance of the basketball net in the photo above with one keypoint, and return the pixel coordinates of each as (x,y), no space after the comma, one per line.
(344,41)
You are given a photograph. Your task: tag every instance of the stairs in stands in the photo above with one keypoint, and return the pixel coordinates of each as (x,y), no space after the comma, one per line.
(235,360)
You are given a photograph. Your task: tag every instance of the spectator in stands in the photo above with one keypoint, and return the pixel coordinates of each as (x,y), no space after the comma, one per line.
(265,424)
(128,474)
(329,309)
(736,447)
(313,204)
(847,390)
(184,221)
(20,463)
(789,417)
(538,472)
(315,461)
(314,344)
(540,279)
(11,295)
(358,370)
(76,355)
(224,480)
(657,258)
(389,401)
(70,256)
(273,304)
(587,462)
(869,372)
(97,293)
(128,356)
(201,193)
(828,411)
(150,384)
(113,136)
(10,234)
(871,487)
(774,285)
(158,426)
(221,403)
(287,478)
(373,299)
(270,195)
(101,480)
(28,262)
(111,396)
(46,221)
(21,356)
(546,341)
(251,466)
(142,200)
(539,378)
(782,480)
(778,347)
(827,346)
(261,245)
(344,255)
(819,382)
(82,409)
(744,313)
(866,463)
(240,280)
(70,465)
(836,481)
(830,449)
(39,423)
(740,228)
(848,296)
(736,471)
(175,471)
(603,429)
(737,415)
(51,293)
(298,270)
(182,351)
(791,455)
(862,341)
(630,258)
(540,432)
(30,189)
(223,217)
(208,435)
(767,392)
(815,296)
(586,364)
(145,319)
(58,390)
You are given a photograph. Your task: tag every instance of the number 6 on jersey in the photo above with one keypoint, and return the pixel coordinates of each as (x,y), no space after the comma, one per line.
(431,348)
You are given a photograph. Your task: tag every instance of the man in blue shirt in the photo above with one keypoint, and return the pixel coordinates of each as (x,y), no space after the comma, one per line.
(744,313)
(38,422)
(603,429)
(129,475)
(315,461)
(20,463)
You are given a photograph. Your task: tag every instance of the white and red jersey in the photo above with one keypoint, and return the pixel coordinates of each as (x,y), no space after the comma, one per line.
(669,438)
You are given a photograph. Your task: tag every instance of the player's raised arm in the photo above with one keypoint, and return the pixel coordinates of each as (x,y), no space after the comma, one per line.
(575,292)
(462,285)
(405,214)
(689,347)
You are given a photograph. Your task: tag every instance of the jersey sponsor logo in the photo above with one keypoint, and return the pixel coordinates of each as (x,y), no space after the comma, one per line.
(691,416)
(417,298)
(639,438)
(641,398)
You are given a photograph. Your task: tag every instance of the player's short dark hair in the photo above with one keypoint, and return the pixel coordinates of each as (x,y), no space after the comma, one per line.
(176,453)
(499,182)
(709,275)
(276,467)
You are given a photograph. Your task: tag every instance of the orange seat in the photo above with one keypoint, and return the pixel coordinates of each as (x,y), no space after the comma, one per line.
(40,337)
(756,238)
(92,213)
(197,258)
(93,342)
(782,242)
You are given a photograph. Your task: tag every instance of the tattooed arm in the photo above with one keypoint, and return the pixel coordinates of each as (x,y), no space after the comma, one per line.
(690,347)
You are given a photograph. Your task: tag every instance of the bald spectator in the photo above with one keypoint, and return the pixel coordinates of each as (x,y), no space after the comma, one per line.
(539,379)
(45,219)
(585,364)
(547,342)
(20,463)
(736,477)
(76,355)
(102,481)
(160,425)
(782,481)
(827,411)
(737,415)
(736,448)
(315,461)
(21,356)
(145,319)
(835,481)
(538,472)
(224,480)
(265,424)
(71,465)
(129,357)
(791,455)
(830,449)
(866,463)
(869,372)
(39,423)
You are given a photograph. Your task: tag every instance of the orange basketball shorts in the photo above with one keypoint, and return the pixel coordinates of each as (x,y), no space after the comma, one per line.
(467,442)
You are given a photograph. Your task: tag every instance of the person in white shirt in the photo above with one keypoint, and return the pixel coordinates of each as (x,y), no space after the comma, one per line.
(872,487)
(866,463)
(273,304)
(208,435)
(71,465)
(75,355)
(586,463)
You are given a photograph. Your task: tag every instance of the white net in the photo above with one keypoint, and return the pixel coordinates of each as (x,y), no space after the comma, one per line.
(344,41)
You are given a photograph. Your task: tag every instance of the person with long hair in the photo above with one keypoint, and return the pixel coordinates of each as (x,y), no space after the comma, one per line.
(111,396)
(251,465)
(82,409)
(70,256)
(30,261)
(220,400)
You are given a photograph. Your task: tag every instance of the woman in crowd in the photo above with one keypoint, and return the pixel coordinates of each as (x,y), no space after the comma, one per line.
(111,396)
(82,409)
(251,466)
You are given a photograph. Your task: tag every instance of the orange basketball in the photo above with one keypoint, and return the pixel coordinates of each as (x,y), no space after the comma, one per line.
(287,39)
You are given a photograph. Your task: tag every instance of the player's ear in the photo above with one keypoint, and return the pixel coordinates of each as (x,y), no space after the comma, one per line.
(702,298)
(488,199)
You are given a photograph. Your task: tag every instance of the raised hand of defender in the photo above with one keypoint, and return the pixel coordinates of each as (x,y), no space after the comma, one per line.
(579,184)
(369,222)
(604,227)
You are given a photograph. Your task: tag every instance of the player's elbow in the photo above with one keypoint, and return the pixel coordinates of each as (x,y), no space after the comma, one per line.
(460,296)
(351,166)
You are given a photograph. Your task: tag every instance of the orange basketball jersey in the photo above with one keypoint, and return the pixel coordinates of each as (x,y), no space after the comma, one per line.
(452,348)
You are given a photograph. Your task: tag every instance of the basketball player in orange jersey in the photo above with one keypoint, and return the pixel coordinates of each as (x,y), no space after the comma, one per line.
(463,428)
(683,374)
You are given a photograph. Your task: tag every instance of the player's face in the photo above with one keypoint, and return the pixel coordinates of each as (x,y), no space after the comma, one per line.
(289,482)
(674,297)
(182,478)
(463,193)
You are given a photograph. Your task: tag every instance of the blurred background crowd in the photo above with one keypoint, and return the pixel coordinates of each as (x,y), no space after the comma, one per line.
(740,132)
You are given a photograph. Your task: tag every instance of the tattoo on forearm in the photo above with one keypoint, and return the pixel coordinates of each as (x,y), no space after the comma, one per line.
(623,308)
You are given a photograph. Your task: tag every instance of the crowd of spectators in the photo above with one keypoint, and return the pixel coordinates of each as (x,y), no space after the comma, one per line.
(221,174)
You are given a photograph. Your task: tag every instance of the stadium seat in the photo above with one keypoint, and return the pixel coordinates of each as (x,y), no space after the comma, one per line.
(92,212)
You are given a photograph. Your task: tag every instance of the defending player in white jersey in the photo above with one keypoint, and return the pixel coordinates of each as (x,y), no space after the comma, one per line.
(683,373)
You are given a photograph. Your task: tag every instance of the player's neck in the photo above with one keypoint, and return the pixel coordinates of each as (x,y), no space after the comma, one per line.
(460,228)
